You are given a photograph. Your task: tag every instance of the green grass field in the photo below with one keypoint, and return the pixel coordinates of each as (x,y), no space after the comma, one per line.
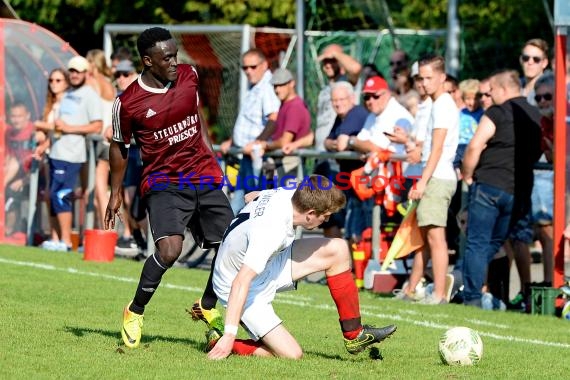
(60,318)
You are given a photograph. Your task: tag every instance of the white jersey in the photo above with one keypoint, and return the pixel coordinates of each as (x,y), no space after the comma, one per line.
(262,229)
(443,115)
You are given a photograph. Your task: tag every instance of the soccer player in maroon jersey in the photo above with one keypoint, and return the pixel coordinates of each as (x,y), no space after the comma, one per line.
(181,177)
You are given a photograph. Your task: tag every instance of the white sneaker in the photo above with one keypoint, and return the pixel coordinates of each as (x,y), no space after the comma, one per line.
(61,247)
(401,294)
(49,245)
(418,294)
(431,300)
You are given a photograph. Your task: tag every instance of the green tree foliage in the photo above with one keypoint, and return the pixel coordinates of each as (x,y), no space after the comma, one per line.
(81,22)
(493,31)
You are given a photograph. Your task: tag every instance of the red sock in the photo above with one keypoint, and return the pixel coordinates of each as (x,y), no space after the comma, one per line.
(345,295)
(244,347)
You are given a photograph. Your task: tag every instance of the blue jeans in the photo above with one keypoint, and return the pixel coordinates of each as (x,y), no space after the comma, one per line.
(543,197)
(489,214)
(246,183)
(358,215)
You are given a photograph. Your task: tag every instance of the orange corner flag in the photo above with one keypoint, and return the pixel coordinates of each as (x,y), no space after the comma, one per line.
(408,238)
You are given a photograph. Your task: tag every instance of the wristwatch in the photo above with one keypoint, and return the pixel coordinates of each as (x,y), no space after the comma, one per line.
(350,142)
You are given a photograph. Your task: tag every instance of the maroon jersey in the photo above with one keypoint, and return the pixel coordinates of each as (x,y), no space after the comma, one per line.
(166,127)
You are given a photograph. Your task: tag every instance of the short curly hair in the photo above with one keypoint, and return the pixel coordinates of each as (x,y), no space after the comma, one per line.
(150,37)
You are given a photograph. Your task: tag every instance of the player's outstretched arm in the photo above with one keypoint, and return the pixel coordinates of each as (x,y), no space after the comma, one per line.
(236,301)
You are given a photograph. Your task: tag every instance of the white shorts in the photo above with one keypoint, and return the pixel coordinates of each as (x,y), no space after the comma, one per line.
(258,317)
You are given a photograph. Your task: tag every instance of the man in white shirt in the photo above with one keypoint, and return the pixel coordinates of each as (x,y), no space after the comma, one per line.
(438,182)
(255,121)
(388,115)
(259,257)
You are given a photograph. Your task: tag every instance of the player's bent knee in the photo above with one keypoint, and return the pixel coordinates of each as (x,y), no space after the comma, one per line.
(169,257)
(295,354)
(339,248)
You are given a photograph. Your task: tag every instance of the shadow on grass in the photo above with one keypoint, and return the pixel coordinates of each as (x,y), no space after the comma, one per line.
(84,331)
(327,356)
(198,345)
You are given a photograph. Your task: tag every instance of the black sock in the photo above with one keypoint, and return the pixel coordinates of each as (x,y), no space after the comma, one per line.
(139,239)
(151,275)
(209,298)
(498,278)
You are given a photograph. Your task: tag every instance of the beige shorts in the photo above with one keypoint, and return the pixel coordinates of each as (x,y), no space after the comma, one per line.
(432,209)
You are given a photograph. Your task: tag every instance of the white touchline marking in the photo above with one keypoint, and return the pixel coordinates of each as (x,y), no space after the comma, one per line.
(487,323)
(434,325)
(388,307)
(284,299)
(95,274)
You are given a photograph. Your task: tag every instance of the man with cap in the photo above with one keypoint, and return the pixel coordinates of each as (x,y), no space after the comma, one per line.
(125,74)
(391,124)
(80,114)
(293,124)
(389,129)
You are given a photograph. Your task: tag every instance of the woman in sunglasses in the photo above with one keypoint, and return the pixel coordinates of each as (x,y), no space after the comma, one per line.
(57,85)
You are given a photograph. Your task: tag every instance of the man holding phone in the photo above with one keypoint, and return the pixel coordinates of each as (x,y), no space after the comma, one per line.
(392,124)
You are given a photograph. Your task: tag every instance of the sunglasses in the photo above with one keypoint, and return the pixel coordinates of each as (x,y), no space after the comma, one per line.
(124,74)
(249,67)
(368,96)
(281,84)
(539,97)
(481,94)
(526,58)
(328,61)
(56,80)
(396,63)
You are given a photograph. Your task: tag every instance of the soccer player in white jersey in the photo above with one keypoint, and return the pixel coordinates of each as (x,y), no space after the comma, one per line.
(259,257)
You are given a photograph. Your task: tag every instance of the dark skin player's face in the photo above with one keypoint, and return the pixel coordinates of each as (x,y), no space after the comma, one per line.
(161,61)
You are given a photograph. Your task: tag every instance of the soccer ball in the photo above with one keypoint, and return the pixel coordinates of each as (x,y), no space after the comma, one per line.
(460,346)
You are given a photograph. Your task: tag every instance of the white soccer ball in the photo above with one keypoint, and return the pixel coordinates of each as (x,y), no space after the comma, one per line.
(460,346)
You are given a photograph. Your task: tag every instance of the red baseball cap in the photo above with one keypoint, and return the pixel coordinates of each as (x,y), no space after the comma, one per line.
(374,84)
